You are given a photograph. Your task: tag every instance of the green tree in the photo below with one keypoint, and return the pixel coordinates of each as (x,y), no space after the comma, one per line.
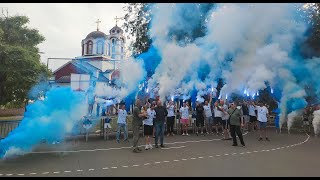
(311,47)
(139,16)
(20,65)
(136,24)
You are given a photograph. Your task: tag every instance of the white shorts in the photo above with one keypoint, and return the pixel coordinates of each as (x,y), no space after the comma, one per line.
(107,125)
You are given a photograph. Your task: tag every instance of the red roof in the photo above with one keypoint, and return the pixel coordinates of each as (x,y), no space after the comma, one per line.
(63,72)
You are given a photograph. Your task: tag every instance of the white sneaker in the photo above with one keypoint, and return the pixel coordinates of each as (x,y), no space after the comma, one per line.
(187,134)
(147,147)
(183,134)
(150,146)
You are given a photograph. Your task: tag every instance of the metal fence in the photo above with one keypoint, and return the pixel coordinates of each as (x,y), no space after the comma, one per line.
(7,126)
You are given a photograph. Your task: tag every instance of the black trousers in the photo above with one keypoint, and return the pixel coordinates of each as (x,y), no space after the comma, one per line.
(170,123)
(236,129)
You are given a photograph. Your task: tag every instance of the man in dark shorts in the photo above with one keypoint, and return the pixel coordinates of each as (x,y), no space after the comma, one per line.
(199,118)
(218,112)
(253,116)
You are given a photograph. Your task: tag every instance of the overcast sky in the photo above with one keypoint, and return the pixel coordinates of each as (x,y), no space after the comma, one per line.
(64,25)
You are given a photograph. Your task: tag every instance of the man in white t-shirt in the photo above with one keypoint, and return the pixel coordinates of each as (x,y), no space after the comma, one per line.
(252,115)
(148,125)
(218,112)
(208,117)
(225,121)
(171,107)
(184,114)
(122,122)
(262,120)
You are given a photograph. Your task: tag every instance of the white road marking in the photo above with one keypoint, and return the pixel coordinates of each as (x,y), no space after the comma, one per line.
(192,158)
(56,172)
(67,171)
(176,160)
(234,153)
(125,166)
(255,151)
(157,162)
(126,147)
(79,170)
(210,156)
(174,147)
(165,161)
(114,167)
(136,165)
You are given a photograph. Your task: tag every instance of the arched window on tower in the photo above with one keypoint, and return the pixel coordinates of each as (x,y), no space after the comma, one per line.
(89,47)
(100,47)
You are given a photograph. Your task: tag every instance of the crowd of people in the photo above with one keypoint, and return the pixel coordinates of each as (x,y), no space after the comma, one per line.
(233,119)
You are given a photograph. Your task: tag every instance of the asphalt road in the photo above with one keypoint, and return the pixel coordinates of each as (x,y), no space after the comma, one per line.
(284,155)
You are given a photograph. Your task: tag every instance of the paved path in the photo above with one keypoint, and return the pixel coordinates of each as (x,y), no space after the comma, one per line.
(284,155)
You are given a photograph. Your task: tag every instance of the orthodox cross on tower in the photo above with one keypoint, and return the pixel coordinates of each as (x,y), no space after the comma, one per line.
(117,19)
(98,21)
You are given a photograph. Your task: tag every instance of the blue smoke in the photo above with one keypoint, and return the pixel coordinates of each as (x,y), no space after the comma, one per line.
(50,119)
(194,93)
(151,60)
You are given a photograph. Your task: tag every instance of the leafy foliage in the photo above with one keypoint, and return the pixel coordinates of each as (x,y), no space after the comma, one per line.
(19,59)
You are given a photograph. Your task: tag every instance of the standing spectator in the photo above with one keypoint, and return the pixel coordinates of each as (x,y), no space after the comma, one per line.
(245,111)
(217,116)
(184,114)
(307,117)
(122,123)
(199,118)
(235,123)
(262,120)
(161,113)
(148,125)
(252,115)
(137,119)
(225,121)
(91,98)
(170,119)
(208,117)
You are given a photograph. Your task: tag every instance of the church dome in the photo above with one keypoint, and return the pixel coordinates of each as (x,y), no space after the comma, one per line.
(116,30)
(96,34)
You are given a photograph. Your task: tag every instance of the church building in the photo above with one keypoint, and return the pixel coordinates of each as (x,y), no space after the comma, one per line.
(100,57)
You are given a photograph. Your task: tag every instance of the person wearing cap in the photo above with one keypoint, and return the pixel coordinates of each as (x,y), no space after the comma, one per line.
(236,122)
